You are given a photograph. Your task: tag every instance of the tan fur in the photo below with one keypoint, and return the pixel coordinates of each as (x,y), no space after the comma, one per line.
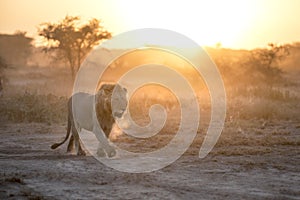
(104,114)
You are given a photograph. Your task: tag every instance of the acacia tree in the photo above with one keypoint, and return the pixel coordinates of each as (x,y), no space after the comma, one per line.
(73,39)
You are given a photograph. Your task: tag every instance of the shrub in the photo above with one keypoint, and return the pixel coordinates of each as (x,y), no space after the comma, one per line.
(34,108)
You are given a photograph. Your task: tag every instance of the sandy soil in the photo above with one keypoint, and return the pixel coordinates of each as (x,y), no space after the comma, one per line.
(247,163)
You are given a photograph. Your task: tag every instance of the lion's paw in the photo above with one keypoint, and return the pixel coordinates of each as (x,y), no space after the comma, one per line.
(100,152)
(81,153)
(111,153)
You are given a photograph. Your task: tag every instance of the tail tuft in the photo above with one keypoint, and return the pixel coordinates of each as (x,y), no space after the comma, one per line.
(54,146)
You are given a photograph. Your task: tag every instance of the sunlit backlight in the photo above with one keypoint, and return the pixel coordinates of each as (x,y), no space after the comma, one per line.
(206,22)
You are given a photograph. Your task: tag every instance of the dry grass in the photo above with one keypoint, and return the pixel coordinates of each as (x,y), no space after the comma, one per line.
(34,108)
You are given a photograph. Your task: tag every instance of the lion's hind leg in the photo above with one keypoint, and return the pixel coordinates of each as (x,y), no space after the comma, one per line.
(78,147)
(71,144)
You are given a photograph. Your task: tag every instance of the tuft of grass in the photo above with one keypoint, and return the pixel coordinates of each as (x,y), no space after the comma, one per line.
(14,180)
(263,107)
(34,108)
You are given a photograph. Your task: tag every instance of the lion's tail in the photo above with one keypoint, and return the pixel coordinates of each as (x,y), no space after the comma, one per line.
(54,146)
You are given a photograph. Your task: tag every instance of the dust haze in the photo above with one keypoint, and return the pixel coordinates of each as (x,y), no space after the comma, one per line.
(256,157)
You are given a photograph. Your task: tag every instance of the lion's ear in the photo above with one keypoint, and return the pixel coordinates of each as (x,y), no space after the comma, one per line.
(101,93)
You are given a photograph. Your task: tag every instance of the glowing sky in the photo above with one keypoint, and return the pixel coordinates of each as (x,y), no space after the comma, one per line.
(234,23)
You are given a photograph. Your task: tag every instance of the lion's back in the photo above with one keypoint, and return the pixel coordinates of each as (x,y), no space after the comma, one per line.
(81,106)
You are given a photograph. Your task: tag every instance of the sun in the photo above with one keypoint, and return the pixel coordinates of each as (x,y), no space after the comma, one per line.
(206,22)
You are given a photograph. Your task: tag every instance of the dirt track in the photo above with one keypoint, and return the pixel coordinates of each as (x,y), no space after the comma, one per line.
(31,170)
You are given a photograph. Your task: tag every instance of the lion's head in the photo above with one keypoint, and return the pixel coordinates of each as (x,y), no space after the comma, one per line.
(112,99)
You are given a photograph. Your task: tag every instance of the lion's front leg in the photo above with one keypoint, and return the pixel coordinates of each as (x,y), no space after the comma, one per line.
(103,143)
(107,129)
(100,151)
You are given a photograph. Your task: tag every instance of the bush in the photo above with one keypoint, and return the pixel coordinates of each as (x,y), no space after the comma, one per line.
(34,108)
(262,108)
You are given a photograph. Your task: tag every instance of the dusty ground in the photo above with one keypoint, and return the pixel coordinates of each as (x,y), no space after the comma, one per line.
(250,162)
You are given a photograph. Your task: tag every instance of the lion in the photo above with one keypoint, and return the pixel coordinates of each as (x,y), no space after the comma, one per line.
(83,116)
